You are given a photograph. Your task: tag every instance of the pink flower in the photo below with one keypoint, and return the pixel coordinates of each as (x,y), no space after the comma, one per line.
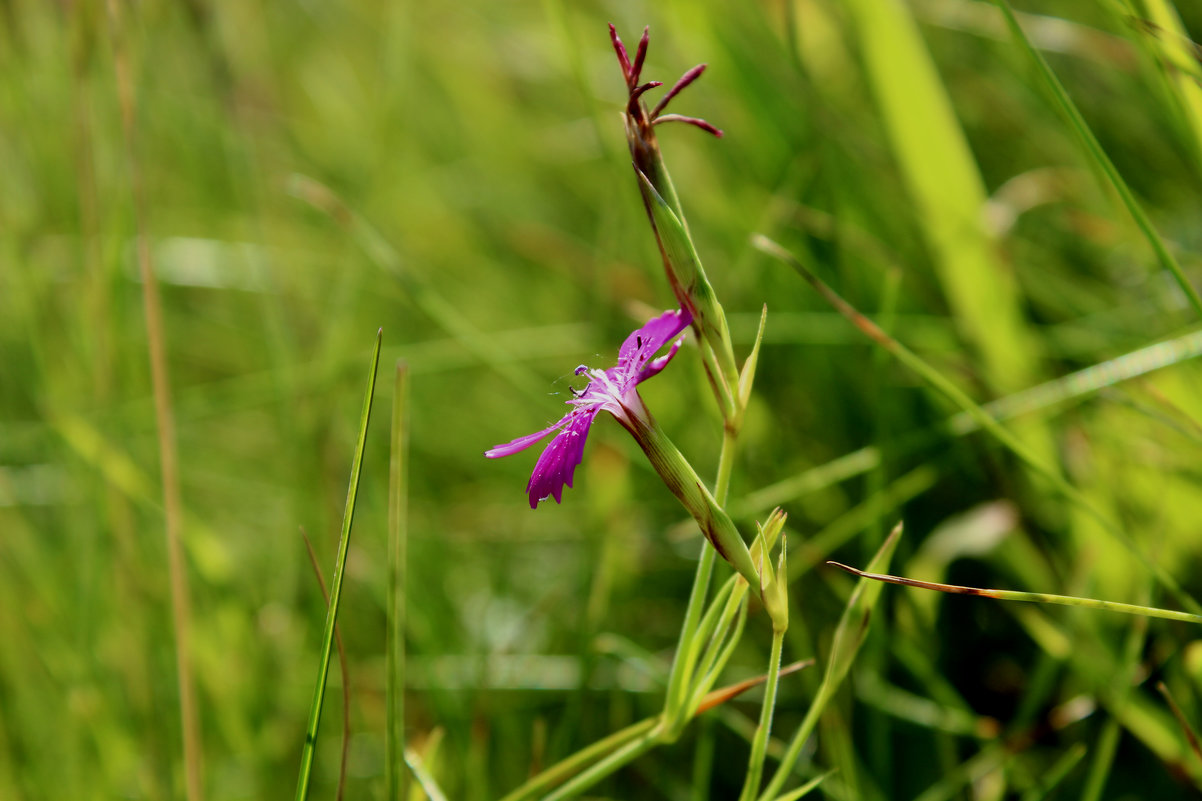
(613,390)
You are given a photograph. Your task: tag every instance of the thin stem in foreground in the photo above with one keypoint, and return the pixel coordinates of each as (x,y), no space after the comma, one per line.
(759,746)
(327,638)
(342,667)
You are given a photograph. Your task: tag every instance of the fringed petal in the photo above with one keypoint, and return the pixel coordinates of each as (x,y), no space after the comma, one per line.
(557,464)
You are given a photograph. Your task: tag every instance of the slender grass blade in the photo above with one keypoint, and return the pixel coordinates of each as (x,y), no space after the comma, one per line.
(327,637)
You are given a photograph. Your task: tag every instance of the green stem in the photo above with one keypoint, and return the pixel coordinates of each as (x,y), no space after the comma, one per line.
(721,645)
(726,460)
(849,635)
(682,666)
(759,746)
(537,786)
(688,646)
(682,480)
(608,765)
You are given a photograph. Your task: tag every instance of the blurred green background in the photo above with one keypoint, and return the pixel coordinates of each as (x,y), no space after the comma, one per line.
(456,174)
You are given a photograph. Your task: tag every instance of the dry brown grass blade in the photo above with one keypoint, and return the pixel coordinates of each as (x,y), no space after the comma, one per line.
(156,338)
(723,694)
(1190,735)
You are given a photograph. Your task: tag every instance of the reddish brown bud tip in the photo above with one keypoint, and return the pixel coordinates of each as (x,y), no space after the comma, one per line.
(684,81)
(640,54)
(638,91)
(620,49)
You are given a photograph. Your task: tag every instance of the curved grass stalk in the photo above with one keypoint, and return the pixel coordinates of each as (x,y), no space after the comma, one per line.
(1029,597)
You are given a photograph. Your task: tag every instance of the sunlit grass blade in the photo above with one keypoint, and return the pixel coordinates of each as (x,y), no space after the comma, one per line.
(1168,39)
(342,666)
(1097,155)
(1030,597)
(942,177)
(849,636)
(986,422)
(398,538)
(422,776)
(327,637)
(1047,395)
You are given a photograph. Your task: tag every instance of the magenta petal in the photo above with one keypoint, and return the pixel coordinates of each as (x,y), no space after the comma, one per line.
(643,344)
(522,443)
(655,365)
(612,390)
(557,464)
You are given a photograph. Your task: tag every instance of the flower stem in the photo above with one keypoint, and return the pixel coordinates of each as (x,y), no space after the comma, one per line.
(759,746)
(682,663)
(682,480)
(687,649)
(726,460)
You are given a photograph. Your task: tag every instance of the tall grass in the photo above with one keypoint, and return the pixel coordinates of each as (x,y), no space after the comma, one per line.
(456,174)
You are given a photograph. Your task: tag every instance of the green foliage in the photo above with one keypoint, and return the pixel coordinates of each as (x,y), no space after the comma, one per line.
(456,174)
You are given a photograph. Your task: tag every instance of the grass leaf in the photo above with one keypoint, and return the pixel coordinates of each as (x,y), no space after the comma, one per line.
(327,637)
